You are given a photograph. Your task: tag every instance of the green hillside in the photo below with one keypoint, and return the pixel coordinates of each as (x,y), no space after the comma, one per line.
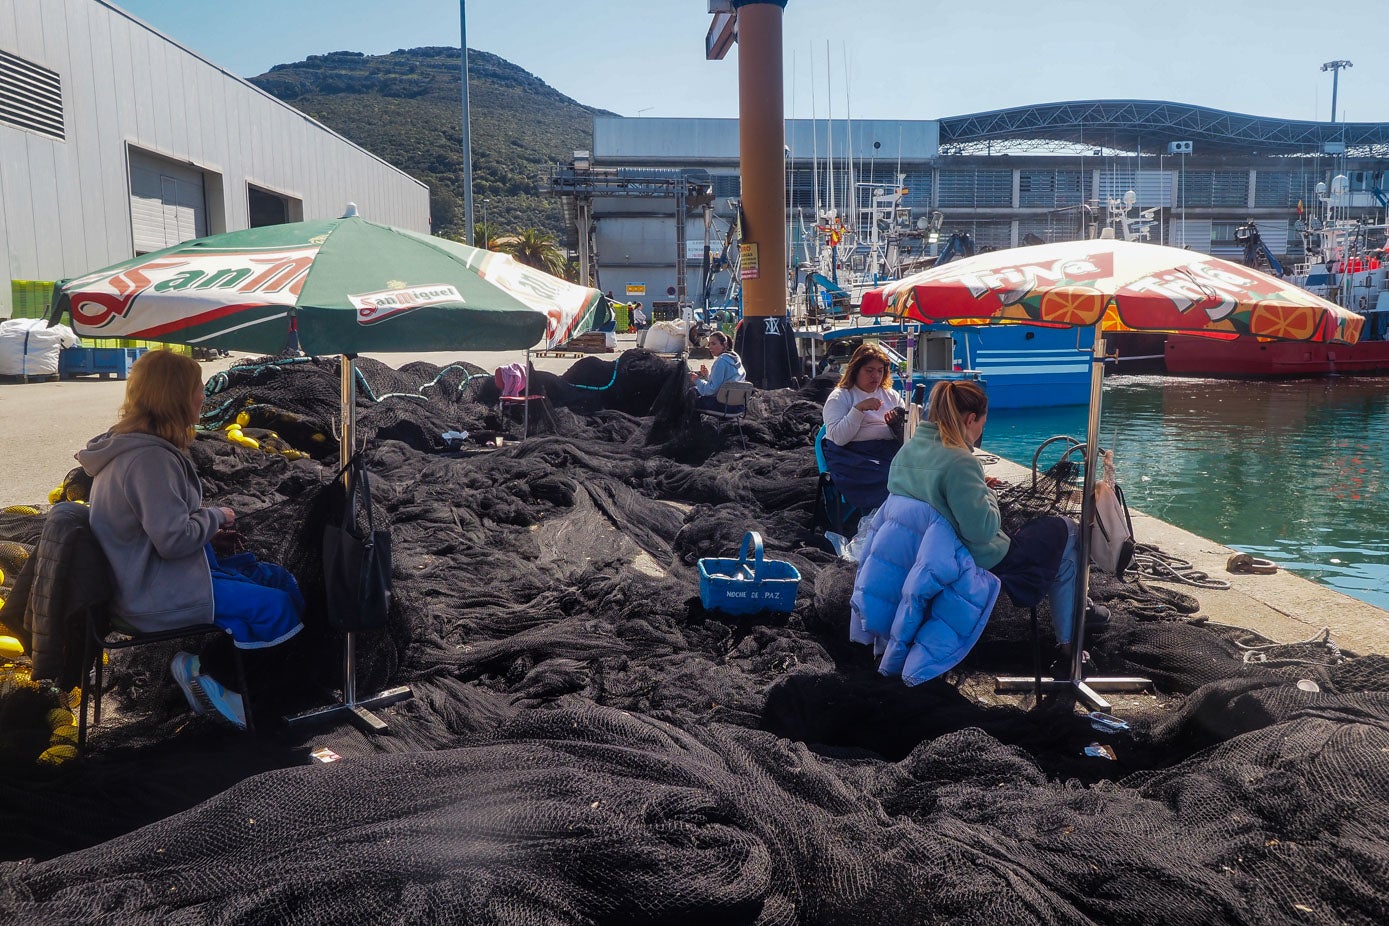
(406,107)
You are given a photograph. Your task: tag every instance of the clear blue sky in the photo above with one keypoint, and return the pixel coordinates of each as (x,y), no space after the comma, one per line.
(905,58)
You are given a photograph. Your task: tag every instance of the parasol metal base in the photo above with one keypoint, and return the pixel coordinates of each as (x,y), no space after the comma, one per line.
(358,711)
(1087,690)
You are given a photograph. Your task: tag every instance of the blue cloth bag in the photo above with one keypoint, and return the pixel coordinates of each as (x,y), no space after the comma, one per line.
(259,603)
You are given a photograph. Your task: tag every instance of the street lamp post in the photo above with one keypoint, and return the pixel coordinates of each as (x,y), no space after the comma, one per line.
(1335,68)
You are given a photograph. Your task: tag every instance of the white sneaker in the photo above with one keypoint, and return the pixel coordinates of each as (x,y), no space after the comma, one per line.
(205,694)
(224,704)
(185,668)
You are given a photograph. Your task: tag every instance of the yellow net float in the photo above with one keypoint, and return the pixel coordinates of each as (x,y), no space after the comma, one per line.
(10,648)
(20,509)
(55,755)
(13,555)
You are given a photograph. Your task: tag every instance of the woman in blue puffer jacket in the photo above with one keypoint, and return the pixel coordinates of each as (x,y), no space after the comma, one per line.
(938,467)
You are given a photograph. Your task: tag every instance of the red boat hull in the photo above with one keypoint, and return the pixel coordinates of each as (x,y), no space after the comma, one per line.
(1193,356)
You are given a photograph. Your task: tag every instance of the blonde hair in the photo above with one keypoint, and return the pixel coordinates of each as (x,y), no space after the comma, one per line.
(950,401)
(159,398)
(860,359)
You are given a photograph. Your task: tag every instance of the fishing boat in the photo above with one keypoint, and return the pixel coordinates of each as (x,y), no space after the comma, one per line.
(1346,264)
(1020,366)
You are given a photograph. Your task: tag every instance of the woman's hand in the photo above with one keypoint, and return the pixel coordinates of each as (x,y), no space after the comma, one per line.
(230,517)
(870,404)
(994,482)
(703,371)
(894,416)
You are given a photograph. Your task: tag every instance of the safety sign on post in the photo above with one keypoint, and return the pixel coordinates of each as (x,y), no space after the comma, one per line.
(747,261)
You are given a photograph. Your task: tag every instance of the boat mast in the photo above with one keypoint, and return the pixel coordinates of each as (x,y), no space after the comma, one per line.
(829,122)
(850,190)
(814,142)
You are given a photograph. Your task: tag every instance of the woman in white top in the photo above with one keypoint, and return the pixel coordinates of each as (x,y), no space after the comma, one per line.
(863,417)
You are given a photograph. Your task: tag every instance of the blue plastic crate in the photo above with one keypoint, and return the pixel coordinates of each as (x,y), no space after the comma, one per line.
(98,361)
(737,586)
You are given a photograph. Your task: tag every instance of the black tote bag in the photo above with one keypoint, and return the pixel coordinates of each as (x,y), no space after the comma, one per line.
(356,563)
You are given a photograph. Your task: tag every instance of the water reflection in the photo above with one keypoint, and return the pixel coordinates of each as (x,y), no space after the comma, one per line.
(1294,471)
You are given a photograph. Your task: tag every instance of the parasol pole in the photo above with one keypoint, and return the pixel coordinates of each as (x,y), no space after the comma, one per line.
(1087,516)
(1087,690)
(347,449)
(358,710)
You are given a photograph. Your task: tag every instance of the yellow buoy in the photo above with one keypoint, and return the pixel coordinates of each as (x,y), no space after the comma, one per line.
(10,647)
(54,755)
(55,496)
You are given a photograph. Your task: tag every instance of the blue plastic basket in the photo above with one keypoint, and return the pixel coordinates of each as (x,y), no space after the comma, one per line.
(736,586)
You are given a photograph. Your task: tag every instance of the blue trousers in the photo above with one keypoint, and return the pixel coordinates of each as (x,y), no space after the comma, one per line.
(860,469)
(259,603)
(1042,560)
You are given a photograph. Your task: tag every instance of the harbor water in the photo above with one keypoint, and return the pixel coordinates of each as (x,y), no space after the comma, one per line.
(1293,471)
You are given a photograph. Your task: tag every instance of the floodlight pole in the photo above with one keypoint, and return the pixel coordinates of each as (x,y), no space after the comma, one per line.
(470,233)
(1335,68)
(1087,690)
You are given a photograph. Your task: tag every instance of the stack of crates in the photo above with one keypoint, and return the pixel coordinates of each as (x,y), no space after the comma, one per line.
(32,298)
(623,316)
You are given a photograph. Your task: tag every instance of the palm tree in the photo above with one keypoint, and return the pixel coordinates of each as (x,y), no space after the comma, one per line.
(534,248)
(485,235)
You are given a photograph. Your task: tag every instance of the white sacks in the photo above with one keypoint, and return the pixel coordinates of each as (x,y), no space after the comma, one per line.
(665,337)
(28,347)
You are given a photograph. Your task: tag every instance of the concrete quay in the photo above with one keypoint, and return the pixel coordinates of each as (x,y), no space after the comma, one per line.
(1282,606)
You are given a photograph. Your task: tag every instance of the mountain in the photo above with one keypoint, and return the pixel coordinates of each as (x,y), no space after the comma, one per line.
(406,108)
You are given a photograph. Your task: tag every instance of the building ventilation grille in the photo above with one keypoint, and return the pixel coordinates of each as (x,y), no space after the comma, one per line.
(31,97)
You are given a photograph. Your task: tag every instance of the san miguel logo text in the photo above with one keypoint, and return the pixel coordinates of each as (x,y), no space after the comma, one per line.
(263,277)
(375,307)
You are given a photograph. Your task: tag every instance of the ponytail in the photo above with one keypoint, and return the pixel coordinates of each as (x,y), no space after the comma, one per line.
(950,401)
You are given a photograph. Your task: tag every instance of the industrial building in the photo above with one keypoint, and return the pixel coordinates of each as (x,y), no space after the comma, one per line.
(115,140)
(1008,177)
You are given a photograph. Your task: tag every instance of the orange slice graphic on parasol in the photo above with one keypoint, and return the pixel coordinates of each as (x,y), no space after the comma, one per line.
(1282,321)
(1072,305)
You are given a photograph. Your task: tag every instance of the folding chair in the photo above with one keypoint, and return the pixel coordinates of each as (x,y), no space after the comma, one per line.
(105,634)
(733,400)
(69,529)
(514,392)
(833,512)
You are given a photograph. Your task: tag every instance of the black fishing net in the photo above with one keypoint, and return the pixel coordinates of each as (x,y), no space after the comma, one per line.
(588,744)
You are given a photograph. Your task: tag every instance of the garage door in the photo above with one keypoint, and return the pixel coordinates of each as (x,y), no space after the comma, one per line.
(167,204)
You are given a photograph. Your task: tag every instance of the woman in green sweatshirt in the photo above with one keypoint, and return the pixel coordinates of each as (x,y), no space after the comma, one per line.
(938,466)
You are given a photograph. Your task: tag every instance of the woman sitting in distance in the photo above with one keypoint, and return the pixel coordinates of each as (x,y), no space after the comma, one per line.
(727,368)
(863,418)
(938,466)
(148,517)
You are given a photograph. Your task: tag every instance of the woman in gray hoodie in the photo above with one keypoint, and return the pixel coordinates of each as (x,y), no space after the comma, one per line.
(147,514)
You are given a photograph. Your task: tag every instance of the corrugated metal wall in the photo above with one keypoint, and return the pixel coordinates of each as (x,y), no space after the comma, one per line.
(65,206)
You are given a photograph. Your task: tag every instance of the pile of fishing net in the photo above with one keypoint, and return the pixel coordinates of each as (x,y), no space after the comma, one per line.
(588,744)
